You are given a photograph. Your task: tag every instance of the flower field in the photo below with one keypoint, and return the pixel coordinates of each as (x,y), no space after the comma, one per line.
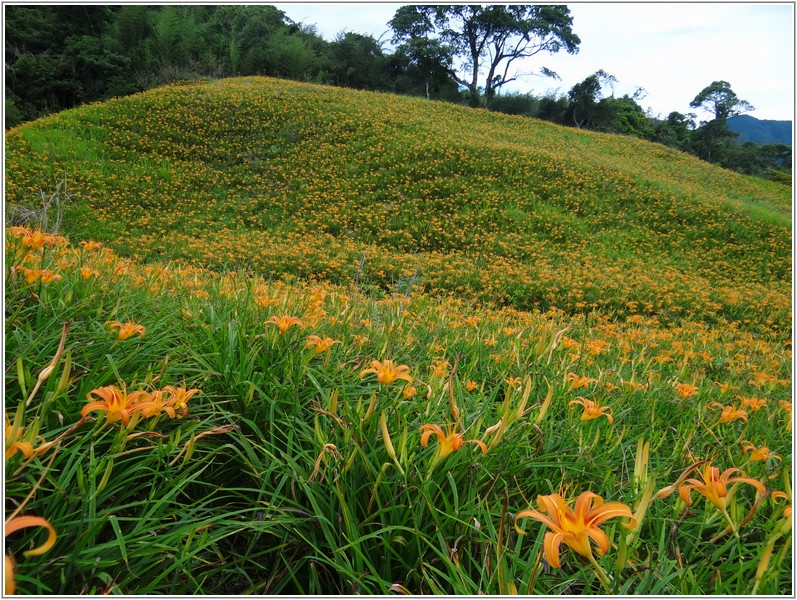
(293,339)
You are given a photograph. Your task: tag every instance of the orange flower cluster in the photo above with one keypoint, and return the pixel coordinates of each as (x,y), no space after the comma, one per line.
(119,405)
(35,239)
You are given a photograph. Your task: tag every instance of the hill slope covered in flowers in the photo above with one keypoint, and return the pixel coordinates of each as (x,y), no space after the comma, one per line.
(290,179)
(302,340)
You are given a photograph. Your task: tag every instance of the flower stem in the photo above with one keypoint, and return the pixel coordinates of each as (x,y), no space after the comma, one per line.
(599,572)
(730,522)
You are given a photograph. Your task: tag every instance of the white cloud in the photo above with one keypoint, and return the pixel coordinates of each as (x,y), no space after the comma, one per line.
(333,18)
(672,50)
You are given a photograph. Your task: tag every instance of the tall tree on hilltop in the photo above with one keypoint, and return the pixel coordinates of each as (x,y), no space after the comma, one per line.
(713,140)
(427,59)
(357,61)
(492,36)
(720,99)
(584,97)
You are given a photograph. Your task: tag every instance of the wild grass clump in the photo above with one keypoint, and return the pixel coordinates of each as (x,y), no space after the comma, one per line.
(175,430)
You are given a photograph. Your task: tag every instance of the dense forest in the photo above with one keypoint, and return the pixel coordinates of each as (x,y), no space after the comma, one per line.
(58,57)
(761,131)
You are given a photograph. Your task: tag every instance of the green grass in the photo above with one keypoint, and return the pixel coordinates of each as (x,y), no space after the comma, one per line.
(500,259)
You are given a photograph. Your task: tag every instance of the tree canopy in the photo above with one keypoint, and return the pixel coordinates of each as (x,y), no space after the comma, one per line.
(489,37)
(719,99)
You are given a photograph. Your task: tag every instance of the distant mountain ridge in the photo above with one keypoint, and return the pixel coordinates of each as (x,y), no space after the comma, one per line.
(761,131)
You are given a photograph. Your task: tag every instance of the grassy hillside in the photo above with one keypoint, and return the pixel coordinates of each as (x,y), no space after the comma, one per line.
(304,340)
(282,178)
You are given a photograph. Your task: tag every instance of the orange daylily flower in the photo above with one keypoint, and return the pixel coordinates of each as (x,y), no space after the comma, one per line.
(118,404)
(684,390)
(754,404)
(714,486)
(440,368)
(577,382)
(570,343)
(284,321)
(513,382)
(87,273)
(729,413)
(127,330)
(470,385)
(14,525)
(48,276)
(778,495)
(34,239)
(90,245)
(761,379)
(724,387)
(409,392)
(592,410)
(264,300)
(360,340)
(321,345)
(169,400)
(596,347)
(178,397)
(758,454)
(16,441)
(386,372)
(33,275)
(447,442)
(575,527)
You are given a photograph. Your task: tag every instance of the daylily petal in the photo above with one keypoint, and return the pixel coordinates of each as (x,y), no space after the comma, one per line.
(18,523)
(10,587)
(754,482)
(583,503)
(479,443)
(685,493)
(610,510)
(96,405)
(530,512)
(551,544)
(551,505)
(428,430)
(600,537)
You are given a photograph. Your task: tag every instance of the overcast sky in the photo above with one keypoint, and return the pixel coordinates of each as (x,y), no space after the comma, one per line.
(672,50)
